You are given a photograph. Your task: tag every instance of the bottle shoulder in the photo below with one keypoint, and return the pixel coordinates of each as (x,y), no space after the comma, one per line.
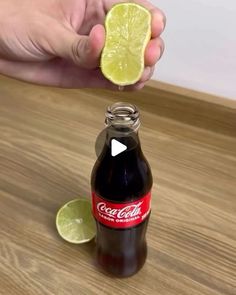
(128,176)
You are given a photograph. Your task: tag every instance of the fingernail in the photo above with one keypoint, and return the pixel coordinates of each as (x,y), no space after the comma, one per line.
(164,22)
(145,75)
(140,86)
(147,72)
(162,49)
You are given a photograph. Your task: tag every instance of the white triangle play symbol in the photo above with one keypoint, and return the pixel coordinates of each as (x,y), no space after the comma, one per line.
(117,147)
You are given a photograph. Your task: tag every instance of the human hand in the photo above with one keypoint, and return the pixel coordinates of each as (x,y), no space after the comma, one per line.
(59,42)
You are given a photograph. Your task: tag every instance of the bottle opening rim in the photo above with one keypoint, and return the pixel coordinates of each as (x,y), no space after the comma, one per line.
(122,114)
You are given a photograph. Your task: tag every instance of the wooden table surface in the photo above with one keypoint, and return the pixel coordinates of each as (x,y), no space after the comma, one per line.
(47,139)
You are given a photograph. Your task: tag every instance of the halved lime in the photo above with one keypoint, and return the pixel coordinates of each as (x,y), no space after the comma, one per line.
(75,222)
(128,30)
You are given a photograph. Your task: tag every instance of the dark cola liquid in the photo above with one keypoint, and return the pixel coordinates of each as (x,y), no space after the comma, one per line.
(123,178)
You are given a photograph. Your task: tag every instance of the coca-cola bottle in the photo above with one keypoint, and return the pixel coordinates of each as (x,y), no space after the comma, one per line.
(121,192)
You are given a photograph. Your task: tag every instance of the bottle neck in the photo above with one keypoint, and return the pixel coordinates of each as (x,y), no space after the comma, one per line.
(123,117)
(122,121)
(130,136)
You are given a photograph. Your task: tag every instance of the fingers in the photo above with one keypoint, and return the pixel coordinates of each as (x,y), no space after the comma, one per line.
(57,72)
(60,73)
(84,51)
(158,22)
(154,51)
(147,74)
(155,47)
(158,17)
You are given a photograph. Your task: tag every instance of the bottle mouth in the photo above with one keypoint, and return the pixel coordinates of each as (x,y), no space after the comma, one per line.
(122,114)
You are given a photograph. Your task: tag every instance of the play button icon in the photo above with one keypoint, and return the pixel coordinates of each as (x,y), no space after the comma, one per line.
(117,147)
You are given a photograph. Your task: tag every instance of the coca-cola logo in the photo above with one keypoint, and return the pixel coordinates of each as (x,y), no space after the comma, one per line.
(121,215)
(125,212)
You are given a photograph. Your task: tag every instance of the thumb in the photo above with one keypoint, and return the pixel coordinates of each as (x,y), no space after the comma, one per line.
(84,51)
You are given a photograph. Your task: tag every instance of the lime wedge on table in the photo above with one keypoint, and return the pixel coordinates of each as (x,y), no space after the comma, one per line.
(128,30)
(75,222)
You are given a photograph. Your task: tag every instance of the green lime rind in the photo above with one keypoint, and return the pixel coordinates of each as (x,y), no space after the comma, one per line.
(75,222)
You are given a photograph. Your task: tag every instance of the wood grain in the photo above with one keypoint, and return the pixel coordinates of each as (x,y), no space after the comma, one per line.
(47,139)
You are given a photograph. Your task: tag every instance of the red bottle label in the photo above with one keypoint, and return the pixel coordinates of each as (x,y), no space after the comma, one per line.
(121,215)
